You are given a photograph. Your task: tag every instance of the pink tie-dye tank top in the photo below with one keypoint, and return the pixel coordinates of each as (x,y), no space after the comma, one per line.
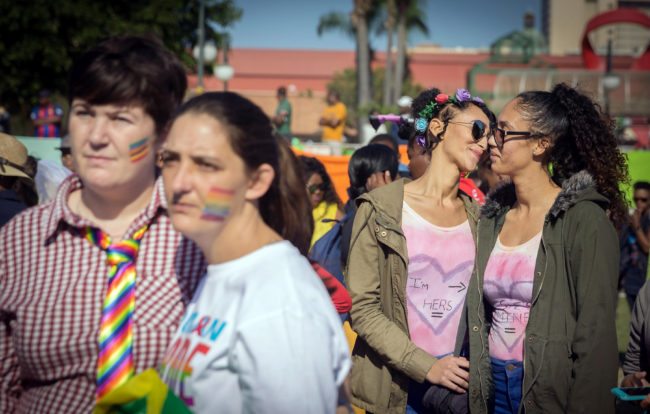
(508,288)
(441,260)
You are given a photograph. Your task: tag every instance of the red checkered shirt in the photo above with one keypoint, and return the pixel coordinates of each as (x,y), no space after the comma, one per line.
(52,287)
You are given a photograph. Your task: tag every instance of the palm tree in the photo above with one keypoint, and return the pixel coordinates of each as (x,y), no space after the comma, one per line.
(389,25)
(355,25)
(410,16)
(360,22)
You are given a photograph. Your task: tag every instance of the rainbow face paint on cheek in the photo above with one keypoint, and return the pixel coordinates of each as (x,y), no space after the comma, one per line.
(217,204)
(139,149)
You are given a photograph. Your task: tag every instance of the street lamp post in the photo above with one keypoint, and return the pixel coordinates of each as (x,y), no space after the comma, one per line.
(224,72)
(201,32)
(207,53)
(203,51)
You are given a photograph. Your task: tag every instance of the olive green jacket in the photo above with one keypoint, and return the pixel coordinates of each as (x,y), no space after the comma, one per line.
(570,350)
(384,358)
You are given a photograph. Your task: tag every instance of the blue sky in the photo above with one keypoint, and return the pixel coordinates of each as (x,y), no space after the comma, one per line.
(292,23)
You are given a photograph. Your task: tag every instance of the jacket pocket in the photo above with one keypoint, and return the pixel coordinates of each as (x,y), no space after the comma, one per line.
(554,382)
(370,379)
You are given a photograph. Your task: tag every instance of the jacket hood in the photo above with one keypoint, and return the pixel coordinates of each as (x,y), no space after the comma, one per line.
(577,188)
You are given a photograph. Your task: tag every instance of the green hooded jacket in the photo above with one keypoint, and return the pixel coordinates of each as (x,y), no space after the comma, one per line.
(384,360)
(570,350)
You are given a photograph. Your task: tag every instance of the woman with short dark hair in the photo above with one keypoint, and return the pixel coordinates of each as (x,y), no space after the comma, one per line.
(94,283)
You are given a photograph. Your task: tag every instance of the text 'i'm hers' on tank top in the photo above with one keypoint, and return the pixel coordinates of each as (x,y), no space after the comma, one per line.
(508,288)
(441,260)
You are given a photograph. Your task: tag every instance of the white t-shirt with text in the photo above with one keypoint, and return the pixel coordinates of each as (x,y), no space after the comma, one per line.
(260,336)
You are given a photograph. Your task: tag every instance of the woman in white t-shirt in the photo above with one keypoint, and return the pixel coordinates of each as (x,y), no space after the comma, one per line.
(260,335)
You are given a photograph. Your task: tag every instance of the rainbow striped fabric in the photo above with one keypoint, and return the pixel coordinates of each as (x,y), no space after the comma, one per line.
(115,364)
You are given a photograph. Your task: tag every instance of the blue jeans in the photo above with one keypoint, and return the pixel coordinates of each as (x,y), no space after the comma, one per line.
(508,377)
(416,393)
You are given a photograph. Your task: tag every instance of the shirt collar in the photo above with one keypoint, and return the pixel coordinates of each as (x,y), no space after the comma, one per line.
(61,212)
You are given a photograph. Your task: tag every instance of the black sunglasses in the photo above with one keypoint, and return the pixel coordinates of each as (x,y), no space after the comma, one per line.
(500,135)
(315,187)
(478,128)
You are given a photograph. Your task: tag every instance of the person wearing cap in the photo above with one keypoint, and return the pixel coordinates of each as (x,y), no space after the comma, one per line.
(94,283)
(66,153)
(46,117)
(13,156)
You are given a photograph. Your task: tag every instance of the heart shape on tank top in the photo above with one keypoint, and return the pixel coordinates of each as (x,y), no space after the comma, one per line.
(509,334)
(435,308)
(423,261)
(516,292)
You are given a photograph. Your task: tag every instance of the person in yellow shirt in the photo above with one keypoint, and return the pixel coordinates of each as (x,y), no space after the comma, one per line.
(333,118)
(326,204)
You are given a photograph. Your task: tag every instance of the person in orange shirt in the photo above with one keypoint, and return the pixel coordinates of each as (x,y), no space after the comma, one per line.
(333,118)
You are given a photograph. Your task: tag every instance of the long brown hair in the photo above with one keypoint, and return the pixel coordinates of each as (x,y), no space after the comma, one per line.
(582,138)
(285,207)
(293,186)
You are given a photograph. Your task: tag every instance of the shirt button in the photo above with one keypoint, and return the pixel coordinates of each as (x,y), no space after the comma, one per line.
(383,234)
(539,273)
(475,328)
(377,229)
(529,402)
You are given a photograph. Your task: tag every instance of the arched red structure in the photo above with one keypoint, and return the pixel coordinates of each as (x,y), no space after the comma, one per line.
(591,59)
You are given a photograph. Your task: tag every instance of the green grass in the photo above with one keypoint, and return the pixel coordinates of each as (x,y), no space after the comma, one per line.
(622,331)
(622,324)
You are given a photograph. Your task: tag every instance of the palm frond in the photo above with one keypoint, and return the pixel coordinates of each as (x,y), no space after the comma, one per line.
(334,21)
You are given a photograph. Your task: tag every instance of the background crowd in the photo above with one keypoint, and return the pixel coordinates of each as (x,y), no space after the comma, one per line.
(186,237)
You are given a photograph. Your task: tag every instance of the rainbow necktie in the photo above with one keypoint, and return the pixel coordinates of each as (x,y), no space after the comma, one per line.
(115,364)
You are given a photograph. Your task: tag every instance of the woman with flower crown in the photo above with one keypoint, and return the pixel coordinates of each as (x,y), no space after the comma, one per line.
(411,257)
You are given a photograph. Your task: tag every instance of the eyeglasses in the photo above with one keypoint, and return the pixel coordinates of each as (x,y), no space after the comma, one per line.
(478,128)
(315,187)
(642,199)
(501,134)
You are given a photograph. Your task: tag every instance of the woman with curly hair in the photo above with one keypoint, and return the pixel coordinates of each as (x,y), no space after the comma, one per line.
(542,302)
(326,205)
(411,256)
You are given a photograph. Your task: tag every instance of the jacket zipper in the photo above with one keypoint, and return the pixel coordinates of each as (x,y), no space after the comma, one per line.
(539,291)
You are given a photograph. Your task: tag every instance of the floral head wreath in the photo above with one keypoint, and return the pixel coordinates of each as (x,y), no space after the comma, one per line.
(424,116)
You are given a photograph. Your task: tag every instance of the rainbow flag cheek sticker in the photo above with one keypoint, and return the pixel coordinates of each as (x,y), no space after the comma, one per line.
(139,149)
(217,204)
